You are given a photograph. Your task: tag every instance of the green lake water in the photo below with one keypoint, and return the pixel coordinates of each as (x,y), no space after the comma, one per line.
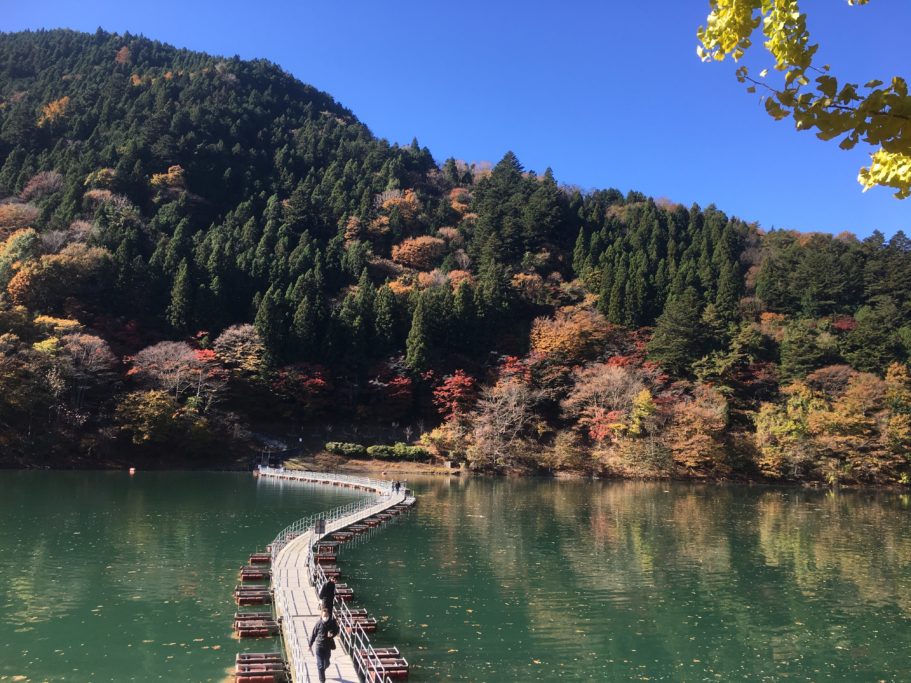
(111,578)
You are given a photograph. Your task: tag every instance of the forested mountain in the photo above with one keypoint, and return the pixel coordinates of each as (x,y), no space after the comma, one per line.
(195,246)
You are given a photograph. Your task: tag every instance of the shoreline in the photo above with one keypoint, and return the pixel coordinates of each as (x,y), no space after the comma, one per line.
(327,462)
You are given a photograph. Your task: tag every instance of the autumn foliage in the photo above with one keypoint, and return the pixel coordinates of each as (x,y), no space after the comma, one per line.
(697,432)
(55,110)
(306,385)
(406,203)
(173,179)
(40,185)
(46,284)
(455,395)
(14,216)
(348,283)
(572,333)
(420,253)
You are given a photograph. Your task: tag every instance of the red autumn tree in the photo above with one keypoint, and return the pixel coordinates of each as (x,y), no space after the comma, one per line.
(392,396)
(605,424)
(306,384)
(513,367)
(455,396)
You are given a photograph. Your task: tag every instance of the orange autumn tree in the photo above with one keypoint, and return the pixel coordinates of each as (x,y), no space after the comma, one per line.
(898,398)
(47,283)
(847,431)
(695,435)
(17,216)
(54,111)
(573,334)
(174,178)
(459,198)
(420,253)
(406,203)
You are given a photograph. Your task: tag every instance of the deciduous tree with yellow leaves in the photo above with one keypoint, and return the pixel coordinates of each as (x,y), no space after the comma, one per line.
(875,113)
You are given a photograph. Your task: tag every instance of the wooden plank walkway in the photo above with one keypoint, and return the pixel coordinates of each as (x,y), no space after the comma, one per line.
(297,602)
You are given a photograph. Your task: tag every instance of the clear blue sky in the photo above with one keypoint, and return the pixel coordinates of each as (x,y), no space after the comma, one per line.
(608,94)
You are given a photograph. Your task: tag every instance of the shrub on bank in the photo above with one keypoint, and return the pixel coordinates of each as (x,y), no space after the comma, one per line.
(399,451)
(349,450)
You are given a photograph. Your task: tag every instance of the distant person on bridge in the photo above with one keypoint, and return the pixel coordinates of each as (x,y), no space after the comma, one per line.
(327,594)
(323,637)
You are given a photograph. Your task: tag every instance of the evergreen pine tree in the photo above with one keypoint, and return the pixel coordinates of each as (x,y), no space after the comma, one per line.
(304,326)
(874,343)
(366,302)
(616,305)
(727,299)
(637,298)
(464,318)
(181,306)
(271,323)
(678,339)
(580,253)
(384,322)
(800,354)
(417,346)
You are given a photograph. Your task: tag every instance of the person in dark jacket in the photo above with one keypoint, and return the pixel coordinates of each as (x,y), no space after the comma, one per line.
(327,594)
(322,642)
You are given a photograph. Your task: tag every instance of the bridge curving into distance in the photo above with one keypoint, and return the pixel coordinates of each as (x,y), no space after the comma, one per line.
(297,578)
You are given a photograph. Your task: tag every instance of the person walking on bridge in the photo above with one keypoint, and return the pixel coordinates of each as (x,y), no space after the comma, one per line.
(327,594)
(323,637)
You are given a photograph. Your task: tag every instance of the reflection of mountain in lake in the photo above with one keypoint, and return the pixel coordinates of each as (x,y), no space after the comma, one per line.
(642,579)
(111,578)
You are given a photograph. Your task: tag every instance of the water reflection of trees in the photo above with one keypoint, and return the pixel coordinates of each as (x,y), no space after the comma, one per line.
(74,539)
(764,577)
(861,539)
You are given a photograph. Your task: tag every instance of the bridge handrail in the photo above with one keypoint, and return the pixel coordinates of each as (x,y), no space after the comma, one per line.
(356,641)
(353,635)
(381,487)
